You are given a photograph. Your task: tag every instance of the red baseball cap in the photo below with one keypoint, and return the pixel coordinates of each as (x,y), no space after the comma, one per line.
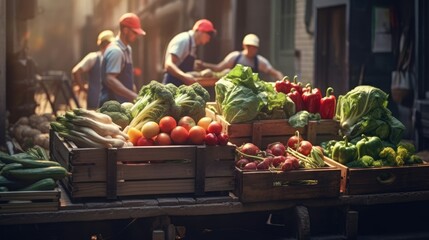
(204,25)
(132,21)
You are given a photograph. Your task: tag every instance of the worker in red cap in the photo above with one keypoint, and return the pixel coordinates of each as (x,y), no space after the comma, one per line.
(248,56)
(181,52)
(117,67)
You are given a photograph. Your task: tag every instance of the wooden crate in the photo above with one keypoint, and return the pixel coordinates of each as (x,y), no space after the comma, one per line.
(356,181)
(262,186)
(264,132)
(29,201)
(138,171)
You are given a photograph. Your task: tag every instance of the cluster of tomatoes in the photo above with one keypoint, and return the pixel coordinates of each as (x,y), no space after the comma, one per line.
(168,131)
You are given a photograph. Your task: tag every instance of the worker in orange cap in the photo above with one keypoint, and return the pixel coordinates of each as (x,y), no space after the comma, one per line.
(181,52)
(117,67)
(91,64)
(248,57)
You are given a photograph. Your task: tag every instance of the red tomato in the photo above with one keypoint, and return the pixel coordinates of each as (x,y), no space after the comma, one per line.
(163,139)
(305,147)
(210,139)
(197,135)
(179,135)
(167,123)
(186,122)
(214,127)
(142,141)
(222,139)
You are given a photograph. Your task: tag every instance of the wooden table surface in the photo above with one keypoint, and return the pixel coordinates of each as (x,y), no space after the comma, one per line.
(190,206)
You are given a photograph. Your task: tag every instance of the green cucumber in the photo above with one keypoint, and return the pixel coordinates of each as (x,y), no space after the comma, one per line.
(41,185)
(28,163)
(35,174)
(38,163)
(3,189)
(10,166)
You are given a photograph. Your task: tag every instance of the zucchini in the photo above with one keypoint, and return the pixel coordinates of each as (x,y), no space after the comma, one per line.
(41,185)
(10,166)
(35,174)
(10,184)
(23,155)
(28,163)
(38,163)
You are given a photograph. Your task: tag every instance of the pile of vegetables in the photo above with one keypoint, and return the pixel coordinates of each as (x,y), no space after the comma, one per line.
(88,128)
(32,130)
(370,152)
(297,153)
(157,100)
(29,171)
(308,100)
(242,96)
(363,110)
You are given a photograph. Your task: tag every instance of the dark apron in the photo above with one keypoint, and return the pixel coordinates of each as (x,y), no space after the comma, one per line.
(254,69)
(125,77)
(186,66)
(94,84)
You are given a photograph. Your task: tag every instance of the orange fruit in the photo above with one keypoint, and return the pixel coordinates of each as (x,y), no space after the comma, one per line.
(197,135)
(150,129)
(134,134)
(204,122)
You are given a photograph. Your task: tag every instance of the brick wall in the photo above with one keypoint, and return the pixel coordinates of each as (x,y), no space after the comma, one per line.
(304,43)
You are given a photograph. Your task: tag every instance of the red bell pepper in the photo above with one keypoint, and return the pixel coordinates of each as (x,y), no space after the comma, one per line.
(308,88)
(297,85)
(311,100)
(296,98)
(283,85)
(328,104)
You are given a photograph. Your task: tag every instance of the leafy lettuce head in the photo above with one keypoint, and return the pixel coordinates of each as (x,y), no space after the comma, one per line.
(358,103)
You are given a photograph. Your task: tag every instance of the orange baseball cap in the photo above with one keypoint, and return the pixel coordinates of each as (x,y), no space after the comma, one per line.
(204,25)
(132,21)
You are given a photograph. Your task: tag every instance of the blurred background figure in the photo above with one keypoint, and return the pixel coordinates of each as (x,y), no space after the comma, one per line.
(181,52)
(91,64)
(117,67)
(23,73)
(247,57)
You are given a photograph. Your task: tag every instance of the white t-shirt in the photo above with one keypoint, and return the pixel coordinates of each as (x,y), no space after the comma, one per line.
(88,61)
(179,46)
(264,65)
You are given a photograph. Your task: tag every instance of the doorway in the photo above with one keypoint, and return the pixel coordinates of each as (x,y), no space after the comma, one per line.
(331,62)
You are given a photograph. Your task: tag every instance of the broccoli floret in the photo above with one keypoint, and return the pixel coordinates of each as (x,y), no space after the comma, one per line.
(367,160)
(202,92)
(388,156)
(402,155)
(126,105)
(154,102)
(363,162)
(110,106)
(409,146)
(190,103)
(377,163)
(119,118)
(172,88)
(414,159)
